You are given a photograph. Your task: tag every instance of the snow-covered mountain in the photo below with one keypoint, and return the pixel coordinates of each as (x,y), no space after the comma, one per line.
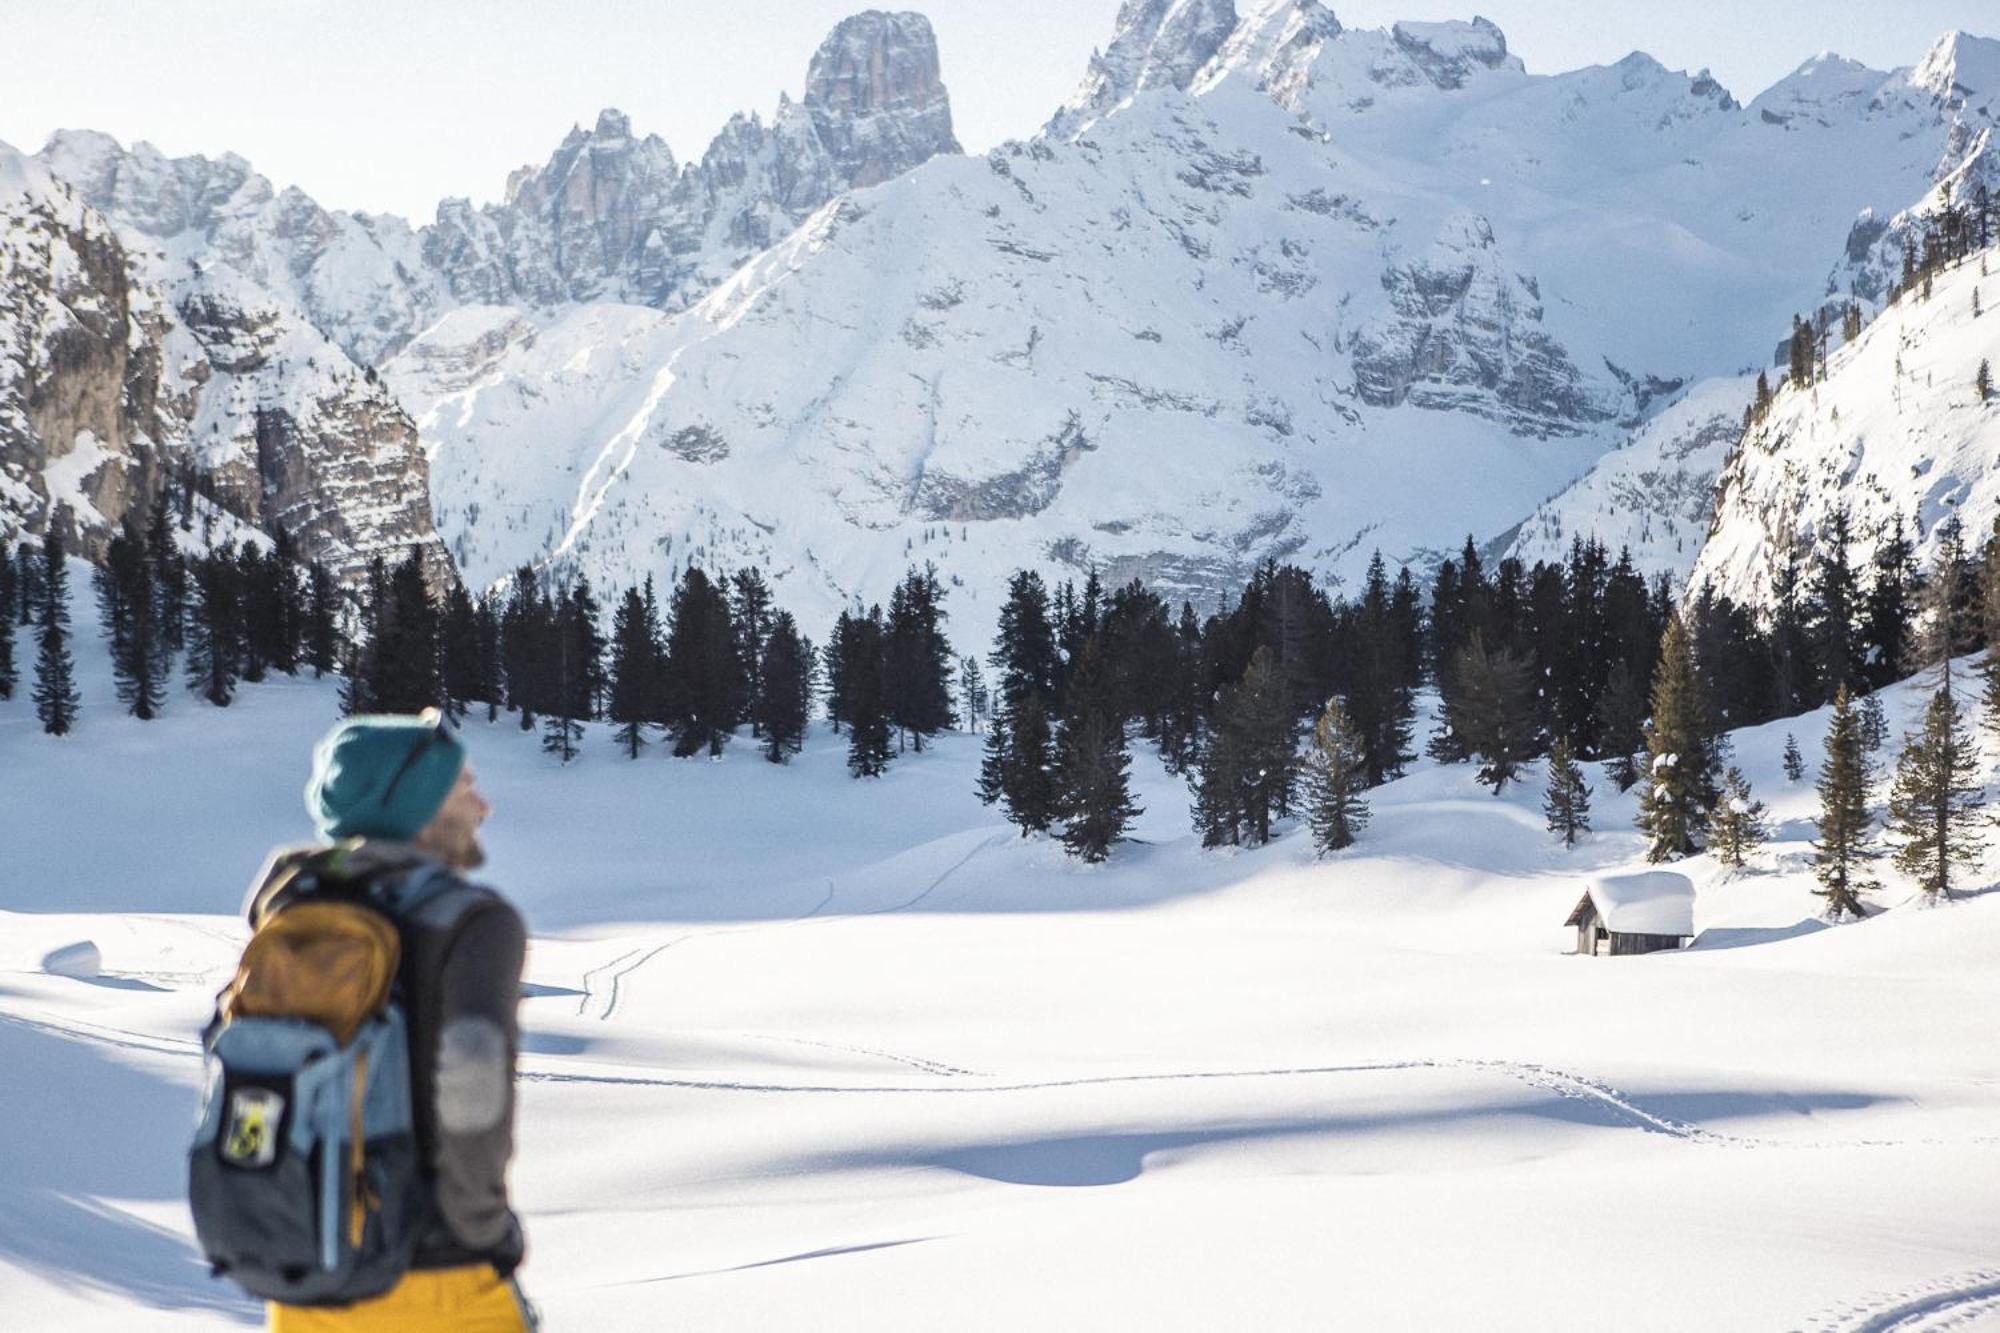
(1896,428)
(121,363)
(1268,286)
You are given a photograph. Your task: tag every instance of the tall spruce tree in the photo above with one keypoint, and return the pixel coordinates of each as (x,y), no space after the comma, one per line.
(131,609)
(704,674)
(169,572)
(1379,701)
(634,662)
(1841,852)
(1333,777)
(1673,808)
(1834,610)
(322,627)
(918,659)
(750,614)
(1738,827)
(1566,799)
(402,654)
(55,693)
(1093,794)
(785,689)
(1933,803)
(1019,773)
(460,652)
(1891,597)
(868,728)
(215,628)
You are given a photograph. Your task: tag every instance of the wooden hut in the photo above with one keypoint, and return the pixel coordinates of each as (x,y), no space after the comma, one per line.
(1636,913)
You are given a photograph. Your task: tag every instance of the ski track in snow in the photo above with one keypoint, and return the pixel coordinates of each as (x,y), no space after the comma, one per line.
(1948,1303)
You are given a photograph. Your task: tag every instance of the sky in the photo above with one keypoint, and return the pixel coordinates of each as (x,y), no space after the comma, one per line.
(389,105)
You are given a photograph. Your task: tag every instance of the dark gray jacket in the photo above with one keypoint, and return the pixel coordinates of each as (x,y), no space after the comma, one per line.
(463,951)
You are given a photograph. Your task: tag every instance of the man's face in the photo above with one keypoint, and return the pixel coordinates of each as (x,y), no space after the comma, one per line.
(452,836)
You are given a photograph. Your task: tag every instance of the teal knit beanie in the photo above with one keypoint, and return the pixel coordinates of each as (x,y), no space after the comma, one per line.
(382,776)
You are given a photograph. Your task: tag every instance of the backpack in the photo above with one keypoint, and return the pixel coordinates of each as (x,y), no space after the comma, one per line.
(304,1176)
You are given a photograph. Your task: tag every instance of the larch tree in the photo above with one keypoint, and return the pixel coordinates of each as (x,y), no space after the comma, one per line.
(1673,808)
(1738,827)
(1566,800)
(1841,852)
(1334,775)
(1934,801)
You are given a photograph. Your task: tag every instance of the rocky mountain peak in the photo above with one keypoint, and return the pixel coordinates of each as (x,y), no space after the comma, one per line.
(1451,53)
(877,98)
(1159,44)
(1960,70)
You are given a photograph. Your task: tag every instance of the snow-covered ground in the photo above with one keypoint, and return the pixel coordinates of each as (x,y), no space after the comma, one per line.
(808,1052)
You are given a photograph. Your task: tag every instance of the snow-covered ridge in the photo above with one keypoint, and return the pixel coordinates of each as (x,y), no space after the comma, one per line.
(1895,429)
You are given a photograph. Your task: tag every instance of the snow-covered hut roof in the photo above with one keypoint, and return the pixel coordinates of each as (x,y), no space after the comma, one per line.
(1648,902)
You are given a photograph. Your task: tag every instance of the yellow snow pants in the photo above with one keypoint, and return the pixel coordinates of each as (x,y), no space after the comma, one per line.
(472,1299)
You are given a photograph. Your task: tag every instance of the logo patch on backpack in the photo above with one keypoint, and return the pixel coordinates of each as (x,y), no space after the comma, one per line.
(251,1137)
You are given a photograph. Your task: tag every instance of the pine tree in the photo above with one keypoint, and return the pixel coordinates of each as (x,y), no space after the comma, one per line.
(1932,802)
(402,657)
(1019,773)
(1491,710)
(918,659)
(1890,597)
(750,612)
(460,651)
(1841,851)
(1334,775)
(1379,701)
(215,629)
(1092,792)
(1982,383)
(1253,756)
(785,696)
(55,693)
(131,616)
(169,573)
(634,658)
(1738,827)
(322,628)
(1834,616)
(1566,801)
(1621,722)
(704,675)
(868,729)
(1673,808)
(1795,763)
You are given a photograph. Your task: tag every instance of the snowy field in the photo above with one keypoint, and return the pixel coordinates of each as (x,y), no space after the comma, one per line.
(810,1053)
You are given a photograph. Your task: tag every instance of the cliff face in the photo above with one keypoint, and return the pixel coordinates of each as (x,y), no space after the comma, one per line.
(84,403)
(119,367)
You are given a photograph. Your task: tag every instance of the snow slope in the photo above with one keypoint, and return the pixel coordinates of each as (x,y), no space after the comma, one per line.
(1895,428)
(802,1050)
(1654,495)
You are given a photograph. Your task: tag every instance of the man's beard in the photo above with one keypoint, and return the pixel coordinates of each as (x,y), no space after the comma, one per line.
(468,854)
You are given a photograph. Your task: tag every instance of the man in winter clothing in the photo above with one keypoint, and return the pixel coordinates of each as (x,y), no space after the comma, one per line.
(396,799)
